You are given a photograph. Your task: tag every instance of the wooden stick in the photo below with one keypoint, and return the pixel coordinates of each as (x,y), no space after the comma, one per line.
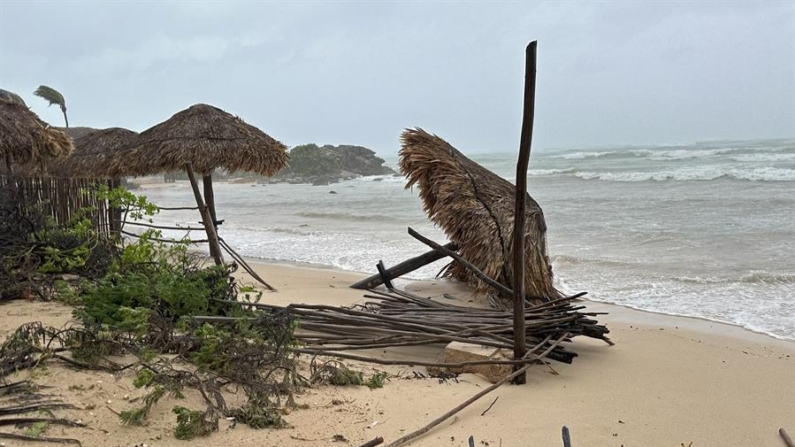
(455,410)
(484,277)
(39,438)
(492,404)
(786,438)
(467,402)
(384,276)
(566,436)
(519,347)
(209,197)
(373,442)
(212,236)
(407,266)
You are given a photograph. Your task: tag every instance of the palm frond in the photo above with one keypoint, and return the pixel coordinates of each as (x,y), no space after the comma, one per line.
(51,95)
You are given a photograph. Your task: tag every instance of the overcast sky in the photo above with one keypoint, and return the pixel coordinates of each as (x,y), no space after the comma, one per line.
(359,72)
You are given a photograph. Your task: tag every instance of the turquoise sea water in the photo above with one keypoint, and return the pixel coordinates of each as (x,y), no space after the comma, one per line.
(705,230)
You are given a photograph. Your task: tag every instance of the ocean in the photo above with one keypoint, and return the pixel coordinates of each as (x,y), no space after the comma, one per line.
(703,230)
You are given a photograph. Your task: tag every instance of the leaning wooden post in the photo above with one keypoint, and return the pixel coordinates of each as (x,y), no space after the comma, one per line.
(209,196)
(519,348)
(212,236)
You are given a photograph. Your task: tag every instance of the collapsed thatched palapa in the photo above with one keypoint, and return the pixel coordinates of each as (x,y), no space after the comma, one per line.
(475,207)
(208,138)
(24,138)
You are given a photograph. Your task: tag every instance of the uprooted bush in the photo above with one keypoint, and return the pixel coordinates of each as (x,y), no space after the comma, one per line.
(153,297)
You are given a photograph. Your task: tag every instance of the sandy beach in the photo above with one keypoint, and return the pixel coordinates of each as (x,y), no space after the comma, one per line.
(667,381)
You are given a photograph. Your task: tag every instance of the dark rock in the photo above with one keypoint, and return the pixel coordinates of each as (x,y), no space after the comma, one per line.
(330,164)
(334,192)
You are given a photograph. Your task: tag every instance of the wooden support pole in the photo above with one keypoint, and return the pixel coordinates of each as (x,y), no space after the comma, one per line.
(519,347)
(114,213)
(209,197)
(212,236)
(483,277)
(407,266)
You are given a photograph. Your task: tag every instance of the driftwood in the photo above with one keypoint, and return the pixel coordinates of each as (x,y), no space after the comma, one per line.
(407,266)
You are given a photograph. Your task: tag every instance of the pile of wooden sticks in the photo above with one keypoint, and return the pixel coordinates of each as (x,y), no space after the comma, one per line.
(396,318)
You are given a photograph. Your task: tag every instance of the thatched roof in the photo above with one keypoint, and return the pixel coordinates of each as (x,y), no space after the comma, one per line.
(24,138)
(92,157)
(94,154)
(207,137)
(77,132)
(475,208)
(11,96)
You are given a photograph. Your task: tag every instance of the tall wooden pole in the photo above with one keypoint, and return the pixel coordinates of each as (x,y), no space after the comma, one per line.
(519,348)
(209,196)
(212,236)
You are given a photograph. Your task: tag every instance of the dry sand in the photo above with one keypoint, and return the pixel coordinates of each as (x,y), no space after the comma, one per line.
(668,381)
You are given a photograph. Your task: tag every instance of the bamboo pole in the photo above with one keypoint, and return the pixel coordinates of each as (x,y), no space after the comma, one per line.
(519,347)
(212,236)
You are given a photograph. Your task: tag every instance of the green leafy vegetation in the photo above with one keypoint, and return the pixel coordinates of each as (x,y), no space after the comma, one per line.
(377,380)
(140,297)
(191,424)
(37,429)
(309,159)
(138,416)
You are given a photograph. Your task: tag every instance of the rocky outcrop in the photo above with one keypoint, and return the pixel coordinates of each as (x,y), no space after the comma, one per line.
(322,165)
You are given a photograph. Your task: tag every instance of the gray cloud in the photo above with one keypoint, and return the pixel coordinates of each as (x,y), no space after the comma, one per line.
(609,73)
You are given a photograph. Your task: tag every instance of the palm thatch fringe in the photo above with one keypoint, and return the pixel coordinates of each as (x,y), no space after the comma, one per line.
(475,208)
(92,157)
(11,96)
(206,137)
(24,138)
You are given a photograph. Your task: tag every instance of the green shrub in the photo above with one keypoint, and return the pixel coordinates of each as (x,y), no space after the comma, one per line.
(191,424)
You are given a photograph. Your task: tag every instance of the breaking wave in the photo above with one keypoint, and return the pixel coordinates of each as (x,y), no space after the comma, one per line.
(758,277)
(766,174)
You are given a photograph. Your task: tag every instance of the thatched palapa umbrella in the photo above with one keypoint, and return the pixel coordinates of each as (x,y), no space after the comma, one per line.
(95,153)
(202,139)
(92,157)
(475,207)
(24,138)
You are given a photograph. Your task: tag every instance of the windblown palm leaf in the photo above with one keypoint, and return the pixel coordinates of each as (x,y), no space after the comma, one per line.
(53,97)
